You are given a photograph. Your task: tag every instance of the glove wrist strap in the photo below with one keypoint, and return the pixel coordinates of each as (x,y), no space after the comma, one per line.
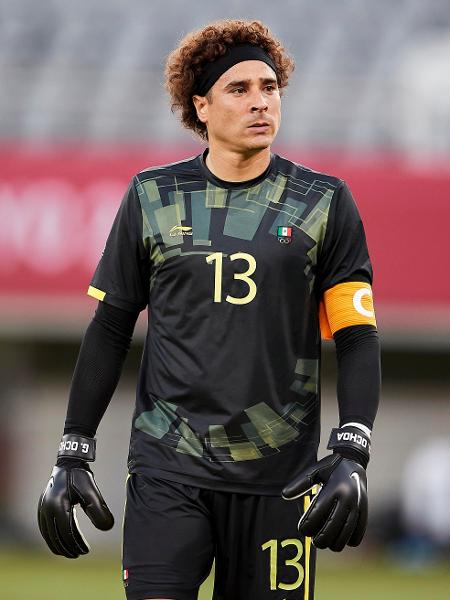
(77,446)
(350,439)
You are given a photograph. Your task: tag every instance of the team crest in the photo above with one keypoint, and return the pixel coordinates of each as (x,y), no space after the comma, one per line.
(284,235)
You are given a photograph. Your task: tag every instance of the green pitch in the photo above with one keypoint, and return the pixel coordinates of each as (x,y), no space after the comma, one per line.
(44,577)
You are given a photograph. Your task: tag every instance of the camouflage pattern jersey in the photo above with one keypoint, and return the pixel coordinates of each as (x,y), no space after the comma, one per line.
(228,395)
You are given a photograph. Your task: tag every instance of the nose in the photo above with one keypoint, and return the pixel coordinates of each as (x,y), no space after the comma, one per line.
(259,102)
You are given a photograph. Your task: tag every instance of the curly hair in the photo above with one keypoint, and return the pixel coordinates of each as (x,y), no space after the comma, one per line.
(187,61)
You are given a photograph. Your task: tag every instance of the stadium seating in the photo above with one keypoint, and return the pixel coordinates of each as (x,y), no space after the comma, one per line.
(93,70)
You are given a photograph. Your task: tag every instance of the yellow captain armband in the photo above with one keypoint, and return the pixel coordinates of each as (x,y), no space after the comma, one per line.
(96,293)
(346,304)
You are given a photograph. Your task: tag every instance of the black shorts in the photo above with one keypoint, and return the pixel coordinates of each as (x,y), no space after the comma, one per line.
(173,532)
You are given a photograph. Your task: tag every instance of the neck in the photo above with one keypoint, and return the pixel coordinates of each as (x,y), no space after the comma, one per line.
(233,166)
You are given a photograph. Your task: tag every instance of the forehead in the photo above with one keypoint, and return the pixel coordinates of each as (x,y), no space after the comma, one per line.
(246,70)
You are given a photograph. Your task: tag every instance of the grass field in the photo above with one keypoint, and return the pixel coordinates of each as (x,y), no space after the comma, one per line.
(25,576)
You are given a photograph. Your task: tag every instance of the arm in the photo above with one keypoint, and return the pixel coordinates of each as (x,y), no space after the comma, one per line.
(99,366)
(121,281)
(359,374)
(97,373)
(338,513)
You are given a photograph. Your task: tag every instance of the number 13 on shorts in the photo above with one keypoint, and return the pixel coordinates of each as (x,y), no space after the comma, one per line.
(272,546)
(288,563)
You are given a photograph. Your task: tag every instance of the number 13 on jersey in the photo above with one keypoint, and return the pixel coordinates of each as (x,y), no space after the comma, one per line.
(217,259)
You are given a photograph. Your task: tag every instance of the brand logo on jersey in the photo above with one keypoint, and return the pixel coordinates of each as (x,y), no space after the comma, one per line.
(284,235)
(125,577)
(180,230)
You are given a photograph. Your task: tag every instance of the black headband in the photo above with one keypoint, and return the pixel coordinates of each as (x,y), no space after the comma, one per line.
(235,54)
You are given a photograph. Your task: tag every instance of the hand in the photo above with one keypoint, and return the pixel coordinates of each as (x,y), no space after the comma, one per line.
(56,512)
(337,515)
(71,483)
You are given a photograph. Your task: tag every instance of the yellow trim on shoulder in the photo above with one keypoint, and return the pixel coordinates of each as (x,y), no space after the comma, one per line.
(96,293)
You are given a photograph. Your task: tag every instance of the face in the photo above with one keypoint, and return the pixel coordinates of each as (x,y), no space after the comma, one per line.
(242,110)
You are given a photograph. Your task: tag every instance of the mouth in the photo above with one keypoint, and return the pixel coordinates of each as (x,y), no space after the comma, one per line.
(260,126)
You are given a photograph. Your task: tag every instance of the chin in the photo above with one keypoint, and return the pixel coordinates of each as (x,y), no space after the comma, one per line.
(260,143)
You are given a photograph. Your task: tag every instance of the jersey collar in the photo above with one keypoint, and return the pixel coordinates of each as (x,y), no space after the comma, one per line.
(234,185)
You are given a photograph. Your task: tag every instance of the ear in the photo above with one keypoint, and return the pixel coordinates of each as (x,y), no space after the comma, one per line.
(201,106)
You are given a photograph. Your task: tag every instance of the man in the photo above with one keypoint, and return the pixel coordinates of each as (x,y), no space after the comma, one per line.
(238,254)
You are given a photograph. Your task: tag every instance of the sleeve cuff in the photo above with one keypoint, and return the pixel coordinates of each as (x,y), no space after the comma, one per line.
(118,302)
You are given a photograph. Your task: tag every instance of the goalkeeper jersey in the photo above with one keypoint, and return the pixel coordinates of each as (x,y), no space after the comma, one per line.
(228,395)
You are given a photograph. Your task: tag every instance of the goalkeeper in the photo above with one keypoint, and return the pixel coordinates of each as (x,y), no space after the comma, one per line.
(242,259)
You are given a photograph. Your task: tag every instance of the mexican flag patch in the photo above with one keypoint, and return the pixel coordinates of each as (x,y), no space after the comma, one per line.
(284,234)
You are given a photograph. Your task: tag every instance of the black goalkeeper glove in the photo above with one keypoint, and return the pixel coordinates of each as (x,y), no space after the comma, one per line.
(337,514)
(71,483)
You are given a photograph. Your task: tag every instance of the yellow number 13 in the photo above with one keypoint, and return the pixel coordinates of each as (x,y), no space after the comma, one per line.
(272,546)
(217,258)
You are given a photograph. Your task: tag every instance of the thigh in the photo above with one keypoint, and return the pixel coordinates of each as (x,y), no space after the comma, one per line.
(167,540)
(260,553)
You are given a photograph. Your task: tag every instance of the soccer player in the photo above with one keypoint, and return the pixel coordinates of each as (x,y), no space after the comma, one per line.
(242,258)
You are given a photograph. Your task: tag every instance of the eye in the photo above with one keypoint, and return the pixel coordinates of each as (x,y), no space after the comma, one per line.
(271,87)
(238,91)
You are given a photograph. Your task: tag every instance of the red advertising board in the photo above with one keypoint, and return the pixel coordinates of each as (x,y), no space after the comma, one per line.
(57,205)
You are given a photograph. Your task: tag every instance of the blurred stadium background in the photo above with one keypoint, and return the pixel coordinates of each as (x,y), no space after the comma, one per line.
(82,108)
